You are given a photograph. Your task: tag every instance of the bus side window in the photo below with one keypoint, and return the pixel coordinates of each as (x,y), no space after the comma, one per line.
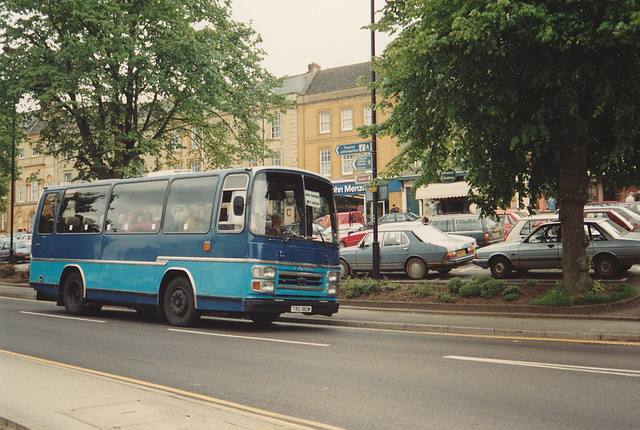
(232,201)
(82,209)
(136,207)
(48,213)
(190,205)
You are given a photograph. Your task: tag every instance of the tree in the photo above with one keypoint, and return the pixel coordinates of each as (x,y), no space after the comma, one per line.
(114,80)
(530,97)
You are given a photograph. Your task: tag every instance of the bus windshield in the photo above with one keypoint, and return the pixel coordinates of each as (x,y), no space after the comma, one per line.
(286,205)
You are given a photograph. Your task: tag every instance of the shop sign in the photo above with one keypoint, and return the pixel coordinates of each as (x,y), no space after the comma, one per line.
(448,175)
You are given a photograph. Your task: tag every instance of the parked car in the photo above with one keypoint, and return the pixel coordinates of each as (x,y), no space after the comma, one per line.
(344,218)
(484,230)
(22,251)
(618,215)
(349,235)
(398,217)
(525,226)
(410,247)
(611,249)
(4,250)
(509,217)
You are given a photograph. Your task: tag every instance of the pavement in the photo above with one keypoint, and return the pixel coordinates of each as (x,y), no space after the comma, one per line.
(71,398)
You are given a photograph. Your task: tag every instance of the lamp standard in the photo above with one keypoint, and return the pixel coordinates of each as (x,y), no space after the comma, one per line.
(375,272)
(12,255)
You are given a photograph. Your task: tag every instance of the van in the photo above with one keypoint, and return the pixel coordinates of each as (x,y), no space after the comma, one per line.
(484,230)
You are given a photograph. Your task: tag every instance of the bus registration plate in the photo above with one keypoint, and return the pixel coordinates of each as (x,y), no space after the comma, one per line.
(300,308)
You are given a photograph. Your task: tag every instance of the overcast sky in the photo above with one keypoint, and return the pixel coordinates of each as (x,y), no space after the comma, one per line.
(296,33)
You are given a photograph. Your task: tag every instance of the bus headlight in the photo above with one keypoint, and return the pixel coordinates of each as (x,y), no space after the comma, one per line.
(263,286)
(264,272)
(333,277)
(333,289)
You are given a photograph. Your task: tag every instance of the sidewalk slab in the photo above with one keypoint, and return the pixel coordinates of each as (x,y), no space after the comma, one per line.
(39,395)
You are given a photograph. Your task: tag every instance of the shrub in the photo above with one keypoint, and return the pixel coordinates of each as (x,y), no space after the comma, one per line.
(444,298)
(484,286)
(355,287)
(598,293)
(470,289)
(454,284)
(7,270)
(531,283)
(512,292)
(556,296)
(423,290)
(491,288)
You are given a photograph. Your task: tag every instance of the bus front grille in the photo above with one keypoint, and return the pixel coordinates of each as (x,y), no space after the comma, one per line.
(301,281)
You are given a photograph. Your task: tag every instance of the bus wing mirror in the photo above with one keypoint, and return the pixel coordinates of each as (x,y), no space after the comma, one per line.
(238,206)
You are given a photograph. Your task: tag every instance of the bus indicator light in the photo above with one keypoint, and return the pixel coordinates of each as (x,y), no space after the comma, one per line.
(207,246)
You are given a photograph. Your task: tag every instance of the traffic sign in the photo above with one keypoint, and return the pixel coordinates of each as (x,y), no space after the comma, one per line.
(363,179)
(362,163)
(353,148)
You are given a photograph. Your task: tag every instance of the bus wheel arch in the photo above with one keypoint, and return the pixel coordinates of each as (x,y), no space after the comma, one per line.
(177,299)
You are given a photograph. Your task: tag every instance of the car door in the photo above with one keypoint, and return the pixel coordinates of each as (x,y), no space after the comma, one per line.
(395,246)
(363,254)
(541,250)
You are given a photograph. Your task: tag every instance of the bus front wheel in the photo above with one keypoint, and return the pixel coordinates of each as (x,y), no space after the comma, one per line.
(179,303)
(73,295)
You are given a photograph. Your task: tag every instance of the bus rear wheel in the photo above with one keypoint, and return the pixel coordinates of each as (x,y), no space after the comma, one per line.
(179,303)
(73,295)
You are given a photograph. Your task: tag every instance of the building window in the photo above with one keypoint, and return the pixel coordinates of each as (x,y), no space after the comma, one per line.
(325,162)
(34,191)
(196,166)
(276,127)
(347,119)
(67,177)
(21,154)
(276,160)
(21,193)
(196,139)
(368,115)
(347,166)
(325,122)
(174,141)
(34,151)
(176,166)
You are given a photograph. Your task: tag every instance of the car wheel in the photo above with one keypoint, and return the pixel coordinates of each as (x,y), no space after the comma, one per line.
(345,270)
(179,303)
(605,266)
(500,267)
(73,295)
(625,267)
(416,268)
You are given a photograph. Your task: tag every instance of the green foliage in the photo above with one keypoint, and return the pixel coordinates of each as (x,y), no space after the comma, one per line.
(444,298)
(531,283)
(7,270)
(423,290)
(356,287)
(599,294)
(484,286)
(454,284)
(555,296)
(512,292)
(114,80)
(519,94)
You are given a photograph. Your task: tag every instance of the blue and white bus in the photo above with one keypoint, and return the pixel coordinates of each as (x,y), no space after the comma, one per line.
(239,242)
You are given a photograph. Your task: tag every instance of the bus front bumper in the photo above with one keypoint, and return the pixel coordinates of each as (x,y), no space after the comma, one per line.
(295,306)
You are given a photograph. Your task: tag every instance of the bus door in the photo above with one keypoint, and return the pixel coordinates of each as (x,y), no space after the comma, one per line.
(42,242)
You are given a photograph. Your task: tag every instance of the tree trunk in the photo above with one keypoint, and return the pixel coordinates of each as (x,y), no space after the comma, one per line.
(572,196)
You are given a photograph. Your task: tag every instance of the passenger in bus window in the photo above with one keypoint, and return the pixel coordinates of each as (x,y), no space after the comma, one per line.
(195,223)
(276,223)
(129,224)
(147,223)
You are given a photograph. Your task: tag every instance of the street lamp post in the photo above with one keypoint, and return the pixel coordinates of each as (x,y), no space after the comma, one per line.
(12,255)
(375,272)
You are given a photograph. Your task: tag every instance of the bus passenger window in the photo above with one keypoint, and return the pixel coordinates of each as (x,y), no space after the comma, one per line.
(48,213)
(190,205)
(136,207)
(232,201)
(81,210)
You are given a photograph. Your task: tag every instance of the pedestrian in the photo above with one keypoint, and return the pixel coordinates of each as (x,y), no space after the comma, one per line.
(630,198)
(425,220)
(552,204)
(394,209)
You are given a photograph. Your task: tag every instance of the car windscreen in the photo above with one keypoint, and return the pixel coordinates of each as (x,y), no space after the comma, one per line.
(427,233)
(613,229)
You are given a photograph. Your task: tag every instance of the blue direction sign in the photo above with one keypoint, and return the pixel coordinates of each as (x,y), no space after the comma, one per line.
(353,148)
(362,163)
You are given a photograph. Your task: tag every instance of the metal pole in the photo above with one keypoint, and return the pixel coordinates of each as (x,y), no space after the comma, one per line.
(12,256)
(374,157)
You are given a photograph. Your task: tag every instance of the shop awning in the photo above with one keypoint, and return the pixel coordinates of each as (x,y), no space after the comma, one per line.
(443,191)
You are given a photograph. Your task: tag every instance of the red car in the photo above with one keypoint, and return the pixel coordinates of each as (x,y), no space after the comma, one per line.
(509,217)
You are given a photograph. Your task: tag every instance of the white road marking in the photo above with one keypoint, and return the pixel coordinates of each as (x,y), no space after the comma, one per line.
(62,316)
(248,337)
(602,370)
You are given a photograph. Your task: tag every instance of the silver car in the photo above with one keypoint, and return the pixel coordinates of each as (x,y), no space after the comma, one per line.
(611,249)
(410,247)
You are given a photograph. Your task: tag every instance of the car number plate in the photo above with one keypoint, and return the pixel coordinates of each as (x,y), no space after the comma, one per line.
(301,309)
(461,252)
